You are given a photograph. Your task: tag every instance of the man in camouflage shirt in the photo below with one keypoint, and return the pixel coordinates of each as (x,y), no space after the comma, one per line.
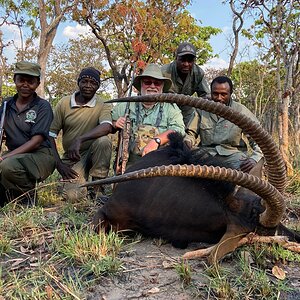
(151,122)
(187,77)
(221,137)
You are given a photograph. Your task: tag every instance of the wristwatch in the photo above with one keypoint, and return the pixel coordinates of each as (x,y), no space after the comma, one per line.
(158,141)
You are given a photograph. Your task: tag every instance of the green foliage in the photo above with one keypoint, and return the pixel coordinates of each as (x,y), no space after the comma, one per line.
(66,62)
(294,184)
(8,91)
(254,84)
(283,255)
(143,31)
(73,215)
(5,246)
(184,271)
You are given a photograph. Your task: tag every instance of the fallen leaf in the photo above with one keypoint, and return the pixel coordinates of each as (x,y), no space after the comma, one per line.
(33,265)
(153,290)
(278,273)
(167,265)
(18,261)
(49,292)
(23,249)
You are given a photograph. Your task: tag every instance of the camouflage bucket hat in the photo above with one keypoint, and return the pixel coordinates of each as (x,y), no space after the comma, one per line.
(154,71)
(27,68)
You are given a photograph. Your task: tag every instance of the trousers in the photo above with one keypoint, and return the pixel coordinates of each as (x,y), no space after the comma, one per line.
(94,162)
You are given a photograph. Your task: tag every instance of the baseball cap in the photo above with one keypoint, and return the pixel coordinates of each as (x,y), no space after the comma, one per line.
(27,68)
(186,49)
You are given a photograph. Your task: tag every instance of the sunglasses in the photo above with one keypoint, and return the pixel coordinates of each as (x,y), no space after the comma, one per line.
(149,82)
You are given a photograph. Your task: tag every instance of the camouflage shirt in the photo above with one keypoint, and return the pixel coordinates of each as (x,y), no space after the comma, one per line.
(148,123)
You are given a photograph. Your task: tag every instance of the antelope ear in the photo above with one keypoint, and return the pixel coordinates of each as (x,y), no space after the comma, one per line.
(257,170)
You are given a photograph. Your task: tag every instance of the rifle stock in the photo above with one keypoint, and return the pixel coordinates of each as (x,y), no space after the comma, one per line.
(2,124)
(123,146)
(124,136)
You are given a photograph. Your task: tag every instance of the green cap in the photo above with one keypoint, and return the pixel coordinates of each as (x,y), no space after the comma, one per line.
(27,68)
(154,71)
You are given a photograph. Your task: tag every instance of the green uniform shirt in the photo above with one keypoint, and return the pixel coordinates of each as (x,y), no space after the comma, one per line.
(220,136)
(75,120)
(194,84)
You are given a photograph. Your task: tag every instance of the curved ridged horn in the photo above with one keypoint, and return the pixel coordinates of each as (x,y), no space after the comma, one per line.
(275,165)
(275,204)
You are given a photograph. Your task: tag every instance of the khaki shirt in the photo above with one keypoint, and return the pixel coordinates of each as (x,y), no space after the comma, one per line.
(220,136)
(75,120)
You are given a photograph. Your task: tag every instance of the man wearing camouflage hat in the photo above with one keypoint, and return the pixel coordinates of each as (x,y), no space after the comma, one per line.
(29,157)
(187,77)
(85,121)
(151,122)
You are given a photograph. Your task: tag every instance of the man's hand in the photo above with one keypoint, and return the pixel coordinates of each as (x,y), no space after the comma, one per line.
(188,141)
(247,164)
(73,151)
(66,172)
(151,146)
(120,123)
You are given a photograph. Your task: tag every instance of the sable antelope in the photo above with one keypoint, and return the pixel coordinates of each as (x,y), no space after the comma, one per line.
(188,196)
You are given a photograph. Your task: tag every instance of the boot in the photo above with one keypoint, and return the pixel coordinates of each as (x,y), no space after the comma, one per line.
(99,192)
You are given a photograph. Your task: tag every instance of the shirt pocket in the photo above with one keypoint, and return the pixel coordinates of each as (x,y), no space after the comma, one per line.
(206,132)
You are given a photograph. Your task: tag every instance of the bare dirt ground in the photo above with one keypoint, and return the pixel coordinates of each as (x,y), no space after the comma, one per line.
(149,273)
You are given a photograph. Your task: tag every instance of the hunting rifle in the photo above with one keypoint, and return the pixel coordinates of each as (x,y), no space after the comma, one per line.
(124,137)
(2,124)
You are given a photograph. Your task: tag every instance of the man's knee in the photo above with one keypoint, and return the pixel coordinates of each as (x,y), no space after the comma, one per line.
(10,168)
(103,143)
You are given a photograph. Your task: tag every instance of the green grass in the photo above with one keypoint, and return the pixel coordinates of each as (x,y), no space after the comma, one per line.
(51,252)
(96,254)
(184,271)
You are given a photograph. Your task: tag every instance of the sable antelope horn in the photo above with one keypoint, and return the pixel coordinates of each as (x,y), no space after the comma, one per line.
(275,205)
(275,165)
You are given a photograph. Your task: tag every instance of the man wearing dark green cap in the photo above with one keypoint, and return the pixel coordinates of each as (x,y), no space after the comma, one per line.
(151,122)
(29,158)
(187,77)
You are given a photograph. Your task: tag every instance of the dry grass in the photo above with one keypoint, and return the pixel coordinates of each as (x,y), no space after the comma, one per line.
(50,252)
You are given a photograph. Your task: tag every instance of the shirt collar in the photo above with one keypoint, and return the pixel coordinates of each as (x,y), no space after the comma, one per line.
(148,109)
(35,99)
(91,103)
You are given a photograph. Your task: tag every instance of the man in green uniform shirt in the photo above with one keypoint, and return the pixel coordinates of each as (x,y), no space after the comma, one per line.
(151,122)
(187,77)
(221,137)
(85,121)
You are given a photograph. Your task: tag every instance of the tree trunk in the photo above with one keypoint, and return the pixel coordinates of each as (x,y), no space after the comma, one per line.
(48,32)
(237,25)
